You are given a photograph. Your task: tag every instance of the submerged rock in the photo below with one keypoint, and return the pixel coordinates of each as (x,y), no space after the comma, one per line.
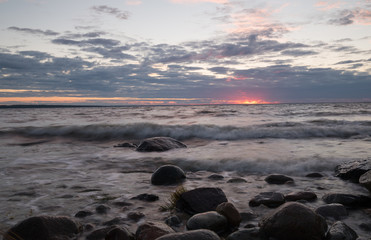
(99,233)
(341,231)
(44,228)
(159,144)
(126,145)
(229,211)
(353,170)
(119,233)
(152,230)
(168,175)
(365,180)
(348,200)
(201,200)
(278,179)
(202,234)
(269,199)
(293,221)
(296,196)
(83,213)
(335,211)
(314,175)
(146,197)
(208,220)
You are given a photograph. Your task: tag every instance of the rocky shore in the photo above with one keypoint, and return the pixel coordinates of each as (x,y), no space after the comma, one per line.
(199,205)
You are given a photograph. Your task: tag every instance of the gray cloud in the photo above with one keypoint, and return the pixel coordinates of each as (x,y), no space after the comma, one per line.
(345,17)
(111,10)
(34,31)
(298,53)
(92,41)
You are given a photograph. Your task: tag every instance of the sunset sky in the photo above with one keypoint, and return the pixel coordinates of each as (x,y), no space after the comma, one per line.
(184,51)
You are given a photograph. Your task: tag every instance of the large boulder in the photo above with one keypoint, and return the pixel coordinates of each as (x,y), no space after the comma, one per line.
(159,144)
(248,234)
(202,234)
(201,200)
(293,221)
(208,220)
(44,228)
(348,200)
(335,211)
(152,230)
(278,179)
(269,199)
(365,180)
(168,175)
(341,231)
(353,170)
(229,211)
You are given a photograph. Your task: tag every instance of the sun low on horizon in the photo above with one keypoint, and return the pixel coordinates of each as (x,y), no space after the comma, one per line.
(184,52)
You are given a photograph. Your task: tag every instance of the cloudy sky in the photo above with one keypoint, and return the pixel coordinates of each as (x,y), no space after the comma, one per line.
(184,51)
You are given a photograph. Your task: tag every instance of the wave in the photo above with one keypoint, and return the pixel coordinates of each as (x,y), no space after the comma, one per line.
(285,130)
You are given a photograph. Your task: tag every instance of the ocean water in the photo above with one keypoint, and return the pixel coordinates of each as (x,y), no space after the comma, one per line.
(61,160)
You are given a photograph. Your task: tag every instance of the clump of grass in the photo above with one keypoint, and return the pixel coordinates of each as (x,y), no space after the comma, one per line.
(174,197)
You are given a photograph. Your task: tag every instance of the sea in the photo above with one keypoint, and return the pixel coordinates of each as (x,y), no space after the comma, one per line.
(59,160)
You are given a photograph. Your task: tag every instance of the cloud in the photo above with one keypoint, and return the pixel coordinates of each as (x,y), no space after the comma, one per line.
(133,2)
(199,1)
(92,41)
(328,5)
(354,16)
(124,15)
(298,53)
(34,31)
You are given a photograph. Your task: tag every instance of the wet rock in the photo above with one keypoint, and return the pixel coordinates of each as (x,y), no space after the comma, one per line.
(83,213)
(348,200)
(229,211)
(114,221)
(146,197)
(365,226)
(353,170)
(159,144)
(173,221)
(305,195)
(102,209)
(152,230)
(236,180)
(99,234)
(44,228)
(278,179)
(247,216)
(341,231)
(202,234)
(269,199)
(135,216)
(201,200)
(126,145)
(216,177)
(168,175)
(88,227)
(314,175)
(335,211)
(365,180)
(208,220)
(249,234)
(293,221)
(119,233)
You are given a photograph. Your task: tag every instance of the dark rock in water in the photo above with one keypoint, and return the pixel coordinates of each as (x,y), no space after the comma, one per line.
(314,175)
(102,209)
(335,211)
(248,234)
(341,231)
(236,180)
(216,177)
(296,196)
(88,227)
(115,221)
(348,200)
(208,220)
(201,200)
(126,145)
(278,179)
(229,211)
(44,228)
(269,199)
(83,213)
(353,170)
(99,234)
(365,226)
(202,234)
(173,221)
(135,216)
(159,144)
(152,230)
(293,221)
(119,233)
(247,216)
(168,175)
(365,180)
(146,197)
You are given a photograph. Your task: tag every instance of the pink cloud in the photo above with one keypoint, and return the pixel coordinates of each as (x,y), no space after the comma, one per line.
(199,1)
(328,5)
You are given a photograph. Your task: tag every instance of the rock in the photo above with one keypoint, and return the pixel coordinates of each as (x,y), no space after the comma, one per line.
(83,213)
(99,234)
(173,221)
(102,209)
(269,199)
(296,196)
(44,228)
(135,216)
(201,200)
(126,145)
(202,234)
(168,175)
(365,226)
(348,200)
(314,175)
(208,220)
(114,221)
(236,180)
(248,234)
(152,230)
(335,211)
(229,211)
(146,197)
(340,231)
(293,221)
(278,179)
(119,233)
(353,170)
(159,144)
(365,180)
(216,177)
(248,215)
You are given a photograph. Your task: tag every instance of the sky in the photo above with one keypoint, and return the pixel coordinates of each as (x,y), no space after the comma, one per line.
(184,51)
